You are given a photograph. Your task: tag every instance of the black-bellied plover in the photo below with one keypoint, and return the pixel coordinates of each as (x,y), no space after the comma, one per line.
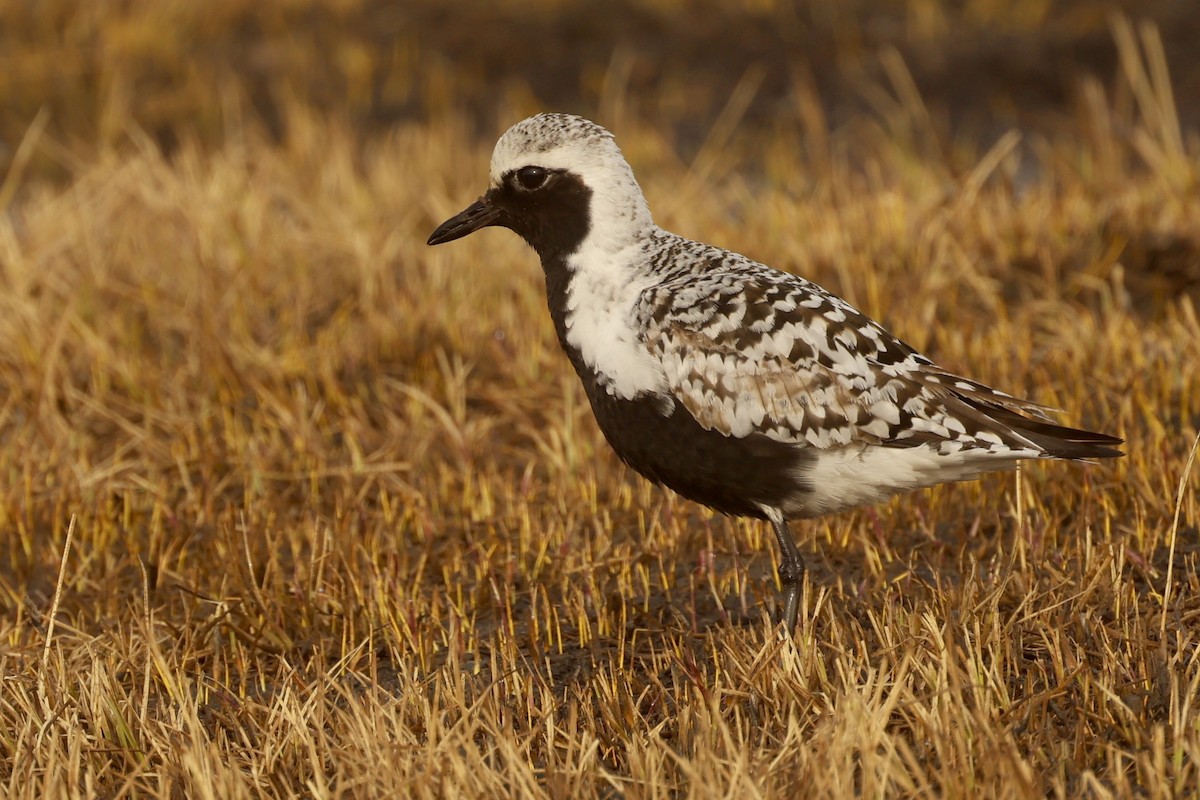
(750,390)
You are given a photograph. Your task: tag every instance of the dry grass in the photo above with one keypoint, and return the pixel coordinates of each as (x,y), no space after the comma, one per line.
(341,524)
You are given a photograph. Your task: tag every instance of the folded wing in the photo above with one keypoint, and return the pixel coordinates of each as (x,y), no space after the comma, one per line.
(762,352)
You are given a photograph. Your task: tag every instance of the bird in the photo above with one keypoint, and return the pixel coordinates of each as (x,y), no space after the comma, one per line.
(747,389)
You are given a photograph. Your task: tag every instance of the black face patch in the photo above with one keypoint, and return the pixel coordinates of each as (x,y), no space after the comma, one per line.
(554,217)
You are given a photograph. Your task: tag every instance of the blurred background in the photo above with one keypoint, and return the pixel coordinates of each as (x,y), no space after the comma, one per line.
(181,69)
(296,446)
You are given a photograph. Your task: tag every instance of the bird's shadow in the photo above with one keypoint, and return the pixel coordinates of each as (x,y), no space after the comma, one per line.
(669,630)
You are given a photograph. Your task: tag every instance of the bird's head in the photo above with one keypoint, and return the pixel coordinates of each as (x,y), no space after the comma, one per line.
(559,181)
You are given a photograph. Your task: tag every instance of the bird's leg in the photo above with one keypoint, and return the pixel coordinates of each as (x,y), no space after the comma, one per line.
(791,571)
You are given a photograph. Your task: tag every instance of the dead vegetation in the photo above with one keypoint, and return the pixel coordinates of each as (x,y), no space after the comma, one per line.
(292,505)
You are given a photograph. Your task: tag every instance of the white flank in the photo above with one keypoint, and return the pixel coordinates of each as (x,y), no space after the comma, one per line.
(855,476)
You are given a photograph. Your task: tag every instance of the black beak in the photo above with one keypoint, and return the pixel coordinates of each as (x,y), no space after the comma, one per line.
(479,214)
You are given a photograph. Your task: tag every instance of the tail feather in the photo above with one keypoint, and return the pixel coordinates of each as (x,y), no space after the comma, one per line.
(1003,413)
(1058,441)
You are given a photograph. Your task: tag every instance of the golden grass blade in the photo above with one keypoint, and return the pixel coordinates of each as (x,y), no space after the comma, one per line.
(1179,495)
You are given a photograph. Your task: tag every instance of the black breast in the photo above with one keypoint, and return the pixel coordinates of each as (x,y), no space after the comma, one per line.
(725,473)
(728,474)
(731,475)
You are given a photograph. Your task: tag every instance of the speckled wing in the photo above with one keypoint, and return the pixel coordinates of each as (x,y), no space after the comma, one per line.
(752,350)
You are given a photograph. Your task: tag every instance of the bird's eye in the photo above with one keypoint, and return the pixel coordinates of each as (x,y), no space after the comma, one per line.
(531,178)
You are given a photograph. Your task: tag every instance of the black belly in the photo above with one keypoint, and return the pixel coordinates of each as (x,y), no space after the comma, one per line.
(730,475)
